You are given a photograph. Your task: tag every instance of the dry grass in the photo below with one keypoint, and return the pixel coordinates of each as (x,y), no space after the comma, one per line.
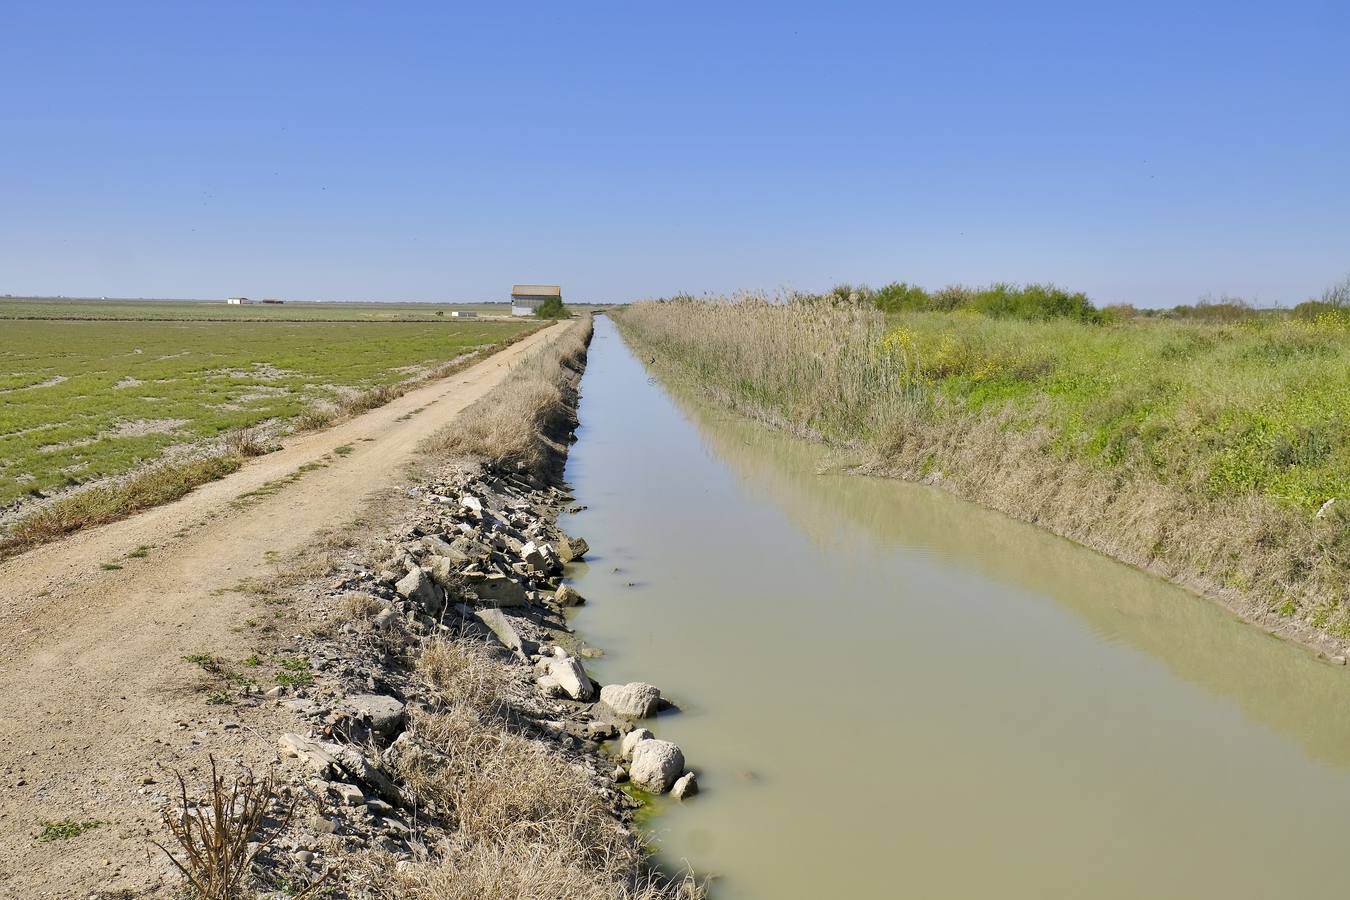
(525,822)
(247,442)
(1127,439)
(511,427)
(105,503)
(464,673)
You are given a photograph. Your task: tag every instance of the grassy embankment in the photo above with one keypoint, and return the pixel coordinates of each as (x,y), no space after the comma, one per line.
(1207,452)
(148,410)
(521,425)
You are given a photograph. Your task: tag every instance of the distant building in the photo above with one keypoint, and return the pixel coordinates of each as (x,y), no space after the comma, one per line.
(274,301)
(238,301)
(525,298)
(463,314)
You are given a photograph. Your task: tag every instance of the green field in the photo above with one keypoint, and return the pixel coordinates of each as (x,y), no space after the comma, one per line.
(82,400)
(203,310)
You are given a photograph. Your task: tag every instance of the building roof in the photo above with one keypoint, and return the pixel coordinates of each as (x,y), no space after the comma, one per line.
(536,290)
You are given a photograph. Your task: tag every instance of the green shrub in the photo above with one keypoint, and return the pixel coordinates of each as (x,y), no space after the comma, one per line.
(553,308)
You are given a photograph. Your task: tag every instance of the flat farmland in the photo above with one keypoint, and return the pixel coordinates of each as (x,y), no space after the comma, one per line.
(84,400)
(218,311)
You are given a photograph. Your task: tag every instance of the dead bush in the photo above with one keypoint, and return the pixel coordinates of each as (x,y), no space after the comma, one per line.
(219,838)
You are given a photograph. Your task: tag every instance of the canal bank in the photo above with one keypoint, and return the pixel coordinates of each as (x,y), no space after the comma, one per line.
(895,692)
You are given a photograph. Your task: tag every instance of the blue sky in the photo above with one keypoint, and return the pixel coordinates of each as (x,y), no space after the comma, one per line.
(1143,152)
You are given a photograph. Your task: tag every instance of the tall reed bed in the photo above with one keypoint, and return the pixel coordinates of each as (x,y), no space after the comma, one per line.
(1217,455)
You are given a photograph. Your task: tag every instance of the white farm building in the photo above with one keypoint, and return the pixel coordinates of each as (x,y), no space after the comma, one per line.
(525,298)
(238,301)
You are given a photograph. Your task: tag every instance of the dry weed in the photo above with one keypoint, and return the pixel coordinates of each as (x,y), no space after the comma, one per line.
(219,839)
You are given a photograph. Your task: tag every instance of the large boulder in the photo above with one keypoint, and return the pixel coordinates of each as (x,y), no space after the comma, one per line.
(418,587)
(656,765)
(635,700)
(569,674)
(631,740)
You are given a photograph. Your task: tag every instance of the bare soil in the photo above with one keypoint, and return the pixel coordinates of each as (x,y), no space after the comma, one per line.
(96,700)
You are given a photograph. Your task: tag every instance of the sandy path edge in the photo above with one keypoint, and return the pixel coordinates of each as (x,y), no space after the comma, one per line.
(93,687)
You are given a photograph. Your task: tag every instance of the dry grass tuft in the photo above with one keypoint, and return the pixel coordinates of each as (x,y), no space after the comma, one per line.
(247,442)
(316,417)
(511,427)
(465,673)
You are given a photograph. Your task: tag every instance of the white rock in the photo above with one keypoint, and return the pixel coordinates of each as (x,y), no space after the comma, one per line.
(685,786)
(572,677)
(632,739)
(636,700)
(656,765)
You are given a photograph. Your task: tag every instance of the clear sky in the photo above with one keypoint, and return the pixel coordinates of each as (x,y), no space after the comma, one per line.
(1144,151)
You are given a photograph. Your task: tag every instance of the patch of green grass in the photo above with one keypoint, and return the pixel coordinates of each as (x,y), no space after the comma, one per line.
(64,829)
(140,552)
(217,698)
(344,450)
(109,567)
(295,679)
(253,660)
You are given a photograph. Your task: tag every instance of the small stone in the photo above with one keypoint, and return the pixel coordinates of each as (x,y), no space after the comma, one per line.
(600,731)
(323,825)
(549,686)
(566,595)
(619,774)
(685,786)
(349,794)
(304,857)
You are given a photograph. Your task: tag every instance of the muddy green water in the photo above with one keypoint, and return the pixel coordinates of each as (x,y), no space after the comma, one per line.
(890,693)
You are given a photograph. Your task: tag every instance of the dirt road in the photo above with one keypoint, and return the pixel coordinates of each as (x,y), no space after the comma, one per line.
(95,696)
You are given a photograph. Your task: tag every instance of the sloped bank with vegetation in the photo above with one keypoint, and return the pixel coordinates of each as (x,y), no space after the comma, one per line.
(1216,454)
